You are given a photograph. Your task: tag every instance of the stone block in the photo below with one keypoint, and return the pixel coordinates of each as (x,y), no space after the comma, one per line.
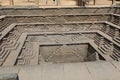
(11,76)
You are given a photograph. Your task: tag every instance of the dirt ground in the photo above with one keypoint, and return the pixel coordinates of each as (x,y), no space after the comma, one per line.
(43,2)
(17,2)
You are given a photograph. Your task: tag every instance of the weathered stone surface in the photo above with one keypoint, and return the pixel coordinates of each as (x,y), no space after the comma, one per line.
(60,43)
(9,76)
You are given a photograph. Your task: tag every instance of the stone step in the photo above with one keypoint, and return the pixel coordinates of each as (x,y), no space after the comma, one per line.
(117,51)
(103,51)
(4,56)
(116,54)
(107,46)
(117,40)
(112,57)
(115,57)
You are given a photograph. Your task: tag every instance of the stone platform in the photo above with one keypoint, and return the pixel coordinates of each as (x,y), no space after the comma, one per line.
(98,70)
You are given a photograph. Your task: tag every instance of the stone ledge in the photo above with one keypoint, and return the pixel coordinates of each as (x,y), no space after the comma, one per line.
(12,76)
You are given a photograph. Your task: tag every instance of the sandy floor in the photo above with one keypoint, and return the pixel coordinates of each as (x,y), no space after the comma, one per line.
(50,2)
(17,2)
